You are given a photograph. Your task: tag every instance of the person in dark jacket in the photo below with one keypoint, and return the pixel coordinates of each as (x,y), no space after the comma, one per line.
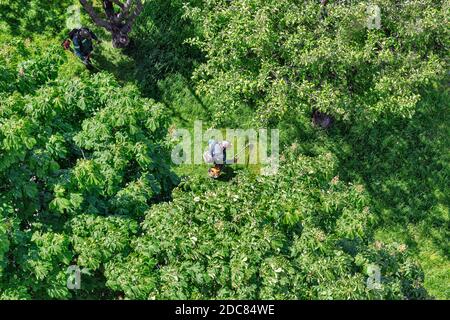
(82,43)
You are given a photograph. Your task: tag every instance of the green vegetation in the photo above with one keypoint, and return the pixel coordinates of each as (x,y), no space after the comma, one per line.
(86,177)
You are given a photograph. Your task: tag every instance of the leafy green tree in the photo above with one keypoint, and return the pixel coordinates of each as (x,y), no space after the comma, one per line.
(30,17)
(302,234)
(284,57)
(78,156)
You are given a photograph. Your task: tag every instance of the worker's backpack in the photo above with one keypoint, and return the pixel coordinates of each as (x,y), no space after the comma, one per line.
(208,156)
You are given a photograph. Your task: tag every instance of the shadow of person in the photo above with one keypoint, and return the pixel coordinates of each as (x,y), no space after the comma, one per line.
(228,174)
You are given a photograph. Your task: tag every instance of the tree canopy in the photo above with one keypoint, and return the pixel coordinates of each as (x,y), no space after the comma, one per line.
(86,178)
(284,57)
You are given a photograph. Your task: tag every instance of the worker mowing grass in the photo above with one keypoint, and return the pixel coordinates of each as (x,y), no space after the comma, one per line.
(82,44)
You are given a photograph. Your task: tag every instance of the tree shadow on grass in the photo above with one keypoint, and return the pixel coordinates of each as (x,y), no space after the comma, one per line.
(159,61)
(405,166)
(159,47)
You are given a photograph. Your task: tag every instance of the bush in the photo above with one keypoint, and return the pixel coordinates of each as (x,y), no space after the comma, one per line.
(72,149)
(300,235)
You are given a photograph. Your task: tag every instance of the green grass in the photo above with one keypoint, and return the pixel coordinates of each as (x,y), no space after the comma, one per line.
(404,164)
(433,260)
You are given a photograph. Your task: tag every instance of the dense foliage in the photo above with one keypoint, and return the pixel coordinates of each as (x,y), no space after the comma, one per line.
(86,178)
(72,151)
(283,57)
(300,235)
